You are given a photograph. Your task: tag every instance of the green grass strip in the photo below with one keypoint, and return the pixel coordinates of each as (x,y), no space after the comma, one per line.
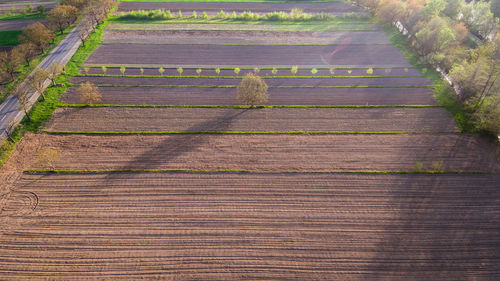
(9,37)
(241,132)
(247,106)
(244,171)
(234,86)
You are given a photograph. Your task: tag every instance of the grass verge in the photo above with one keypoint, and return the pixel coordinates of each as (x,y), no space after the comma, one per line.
(242,132)
(247,106)
(42,110)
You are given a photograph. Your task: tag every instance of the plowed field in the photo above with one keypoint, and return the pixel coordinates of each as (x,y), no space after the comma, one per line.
(457,152)
(272,82)
(246,55)
(122,119)
(242,37)
(277,96)
(251,226)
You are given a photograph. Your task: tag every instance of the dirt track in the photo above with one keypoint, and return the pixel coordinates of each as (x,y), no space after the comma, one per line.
(277,96)
(190,226)
(121,119)
(243,55)
(271,82)
(457,152)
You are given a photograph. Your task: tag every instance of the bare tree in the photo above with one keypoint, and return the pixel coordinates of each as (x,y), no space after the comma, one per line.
(53,70)
(27,51)
(48,156)
(252,90)
(89,94)
(84,29)
(23,96)
(36,81)
(10,129)
(9,62)
(62,16)
(38,34)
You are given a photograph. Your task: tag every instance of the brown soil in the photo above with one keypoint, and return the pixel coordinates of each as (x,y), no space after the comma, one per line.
(272,82)
(241,37)
(205,226)
(5,7)
(247,55)
(262,72)
(232,27)
(277,96)
(122,119)
(16,24)
(457,152)
(332,7)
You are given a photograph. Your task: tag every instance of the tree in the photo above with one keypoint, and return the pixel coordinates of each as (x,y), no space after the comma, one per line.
(332,71)
(256,70)
(104,69)
(40,9)
(252,90)
(369,71)
(179,70)
(36,81)
(53,70)
(161,70)
(26,51)
(495,7)
(237,70)
(10,129)
(24,99)
(79,4)
(314,71)
(198,71)
(89,94)
(9,62)
(62,16)
(142,71)
(389,11)
(84,29)
(294,69)
(37,34)
(479,18)
(48,156)
(123,69)
(217,71)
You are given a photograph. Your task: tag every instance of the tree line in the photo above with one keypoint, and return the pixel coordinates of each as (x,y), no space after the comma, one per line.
(459,37)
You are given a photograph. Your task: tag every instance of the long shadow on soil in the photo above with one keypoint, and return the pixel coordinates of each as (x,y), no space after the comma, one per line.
(182,143)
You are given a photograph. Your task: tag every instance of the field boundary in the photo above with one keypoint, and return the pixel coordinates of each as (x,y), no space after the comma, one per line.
(243,132)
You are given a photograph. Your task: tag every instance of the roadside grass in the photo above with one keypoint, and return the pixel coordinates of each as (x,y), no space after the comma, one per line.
(24,70)
(9,37)
(118,171)
(444,94)
(42,110)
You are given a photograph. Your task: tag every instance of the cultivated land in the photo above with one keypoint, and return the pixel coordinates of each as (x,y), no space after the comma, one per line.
(231,204)
(244,55)
(232,226)
(15,24)
(5,6)
(277,96)
(246,120)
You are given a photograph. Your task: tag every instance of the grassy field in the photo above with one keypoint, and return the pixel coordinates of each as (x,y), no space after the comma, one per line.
(9,37)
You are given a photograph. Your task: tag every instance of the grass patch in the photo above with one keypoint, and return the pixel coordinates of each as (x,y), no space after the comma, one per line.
(234,86)
(242,132)
(241,77)
(9,37)
(34,16)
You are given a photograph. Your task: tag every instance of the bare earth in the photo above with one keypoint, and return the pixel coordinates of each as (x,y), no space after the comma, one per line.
(16,24)
(204,226)
(243,55)
(242,37)
(122,119)
(232,27)
(277,96)
(272,82)
(386,152)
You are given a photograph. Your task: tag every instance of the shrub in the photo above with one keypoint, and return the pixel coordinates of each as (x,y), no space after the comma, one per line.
(369,71)
(198,71)
(237,70)
(294,69)
(252,90)
(104,69)
(89,94)
(161,70)
(122,70)
(314,71)
(274,71)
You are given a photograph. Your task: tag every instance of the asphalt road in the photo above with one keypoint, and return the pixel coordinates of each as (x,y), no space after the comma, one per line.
(62,53)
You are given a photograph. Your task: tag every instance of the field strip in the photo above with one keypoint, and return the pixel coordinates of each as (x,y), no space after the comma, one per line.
(247,106)
(272,82)
(34,172)
(239,132)
(269,152)
(296,119)
(234,86)
(223,226)
(243,37)
(256,55)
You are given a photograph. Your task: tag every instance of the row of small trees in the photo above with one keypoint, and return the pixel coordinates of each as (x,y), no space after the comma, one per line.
(256,70)
(439,31)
